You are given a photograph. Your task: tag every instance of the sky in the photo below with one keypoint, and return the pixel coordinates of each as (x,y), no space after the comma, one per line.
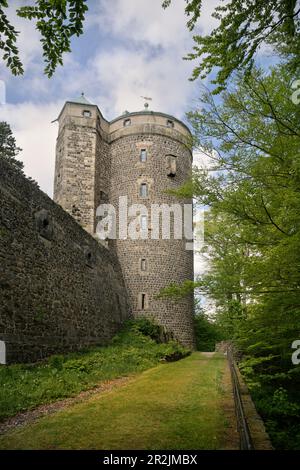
(129,49)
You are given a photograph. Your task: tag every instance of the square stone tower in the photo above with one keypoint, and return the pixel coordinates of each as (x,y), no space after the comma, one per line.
(138,156)
(82,168)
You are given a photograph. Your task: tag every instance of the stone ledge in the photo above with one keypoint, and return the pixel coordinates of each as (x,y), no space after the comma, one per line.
(259,435)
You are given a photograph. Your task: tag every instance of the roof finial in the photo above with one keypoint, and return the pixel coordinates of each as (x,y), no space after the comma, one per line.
(146,105)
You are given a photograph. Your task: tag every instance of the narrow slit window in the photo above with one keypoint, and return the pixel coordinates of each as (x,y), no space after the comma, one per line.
(143,301)
(143,155)
(143,264)
(144,190)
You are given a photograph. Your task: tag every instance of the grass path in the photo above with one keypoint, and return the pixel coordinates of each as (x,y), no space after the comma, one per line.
(182,405)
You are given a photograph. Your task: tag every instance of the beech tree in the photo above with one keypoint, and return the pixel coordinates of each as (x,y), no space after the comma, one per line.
(243,27)
(56,20)
(251,190)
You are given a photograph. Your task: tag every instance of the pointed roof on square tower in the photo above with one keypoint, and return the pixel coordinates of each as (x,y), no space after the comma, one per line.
(81,100)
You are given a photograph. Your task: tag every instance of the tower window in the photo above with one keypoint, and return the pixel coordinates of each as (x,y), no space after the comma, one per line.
(143,264)
(143,303)
(171,163)
(144,222)
(170,123)
(144,190)
(127,122)
(103,197)
(143,155)
(86,113)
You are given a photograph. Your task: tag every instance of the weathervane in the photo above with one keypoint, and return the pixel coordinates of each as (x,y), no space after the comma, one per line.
(146,98)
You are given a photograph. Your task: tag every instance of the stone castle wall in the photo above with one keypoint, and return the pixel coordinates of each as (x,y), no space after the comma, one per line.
(98,162)
(59,289)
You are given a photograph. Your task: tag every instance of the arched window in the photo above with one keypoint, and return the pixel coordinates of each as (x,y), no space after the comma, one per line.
(144,190)
(170,123)
(127,122)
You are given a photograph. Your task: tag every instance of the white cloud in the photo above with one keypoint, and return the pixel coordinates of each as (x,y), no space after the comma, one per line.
(126,75)
(147,55)
(142,20)
(34,133)
(146,58)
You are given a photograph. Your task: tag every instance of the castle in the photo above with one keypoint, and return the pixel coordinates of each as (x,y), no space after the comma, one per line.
(61,287)
(139,156)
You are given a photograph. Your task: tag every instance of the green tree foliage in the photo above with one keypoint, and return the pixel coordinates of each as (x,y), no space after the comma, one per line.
(8,148)
(56,20)
(252,239)
(251,190)
(243,27)
(208,332)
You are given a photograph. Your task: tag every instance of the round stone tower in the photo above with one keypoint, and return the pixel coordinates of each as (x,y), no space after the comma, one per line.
(132,163)
(150,155)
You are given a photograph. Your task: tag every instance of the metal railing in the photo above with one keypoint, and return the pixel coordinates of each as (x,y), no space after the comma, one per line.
(243,428)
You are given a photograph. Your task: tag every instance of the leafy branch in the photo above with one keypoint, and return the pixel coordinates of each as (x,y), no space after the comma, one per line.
(56,20)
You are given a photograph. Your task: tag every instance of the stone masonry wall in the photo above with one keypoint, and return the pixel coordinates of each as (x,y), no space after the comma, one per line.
(167,261)
(74,187)
(60,290)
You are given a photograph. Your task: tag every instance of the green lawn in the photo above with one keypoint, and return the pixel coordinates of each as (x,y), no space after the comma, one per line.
(25,386)
(177,405)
